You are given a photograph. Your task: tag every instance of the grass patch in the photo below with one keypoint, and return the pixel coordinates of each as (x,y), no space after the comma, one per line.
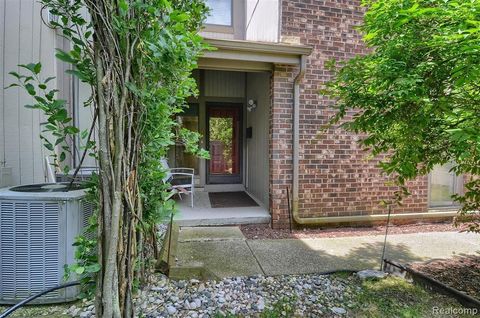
(395,297)
(283,308)
(342,274)
(50,311)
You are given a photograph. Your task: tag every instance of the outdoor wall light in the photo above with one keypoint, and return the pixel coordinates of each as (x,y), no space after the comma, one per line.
(252,104)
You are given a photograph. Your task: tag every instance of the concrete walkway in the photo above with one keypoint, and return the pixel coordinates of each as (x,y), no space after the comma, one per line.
(224,252)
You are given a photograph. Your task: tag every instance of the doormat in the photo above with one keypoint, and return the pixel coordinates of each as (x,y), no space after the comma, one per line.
(238,199)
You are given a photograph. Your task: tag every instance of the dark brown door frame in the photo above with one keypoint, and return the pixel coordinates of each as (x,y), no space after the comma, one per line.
(226,179)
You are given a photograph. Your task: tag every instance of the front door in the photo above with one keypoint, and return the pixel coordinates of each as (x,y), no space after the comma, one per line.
(224,136)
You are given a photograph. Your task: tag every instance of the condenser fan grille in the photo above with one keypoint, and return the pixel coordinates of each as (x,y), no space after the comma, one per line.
(29,253)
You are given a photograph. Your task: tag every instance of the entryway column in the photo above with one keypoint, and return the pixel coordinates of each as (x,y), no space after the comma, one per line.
(281,125)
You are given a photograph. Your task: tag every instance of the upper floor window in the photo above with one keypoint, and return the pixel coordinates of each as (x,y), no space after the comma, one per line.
(220,12)
(443,184)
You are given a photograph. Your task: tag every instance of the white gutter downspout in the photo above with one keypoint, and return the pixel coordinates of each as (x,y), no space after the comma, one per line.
(333,219)
(296,135)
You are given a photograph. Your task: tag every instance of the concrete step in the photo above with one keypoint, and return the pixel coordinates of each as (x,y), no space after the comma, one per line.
(207,253)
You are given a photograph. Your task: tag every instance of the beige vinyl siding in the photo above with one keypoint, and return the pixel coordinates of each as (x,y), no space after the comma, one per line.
(83,120)
(217,35)
(262,20)
(23,39)
(253,20)
(258,88)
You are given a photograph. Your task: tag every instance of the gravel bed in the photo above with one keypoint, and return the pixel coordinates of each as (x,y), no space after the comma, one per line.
(309,295)
(292,296)
(260,232)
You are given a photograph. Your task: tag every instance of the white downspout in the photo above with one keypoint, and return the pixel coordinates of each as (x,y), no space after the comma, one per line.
(296,133)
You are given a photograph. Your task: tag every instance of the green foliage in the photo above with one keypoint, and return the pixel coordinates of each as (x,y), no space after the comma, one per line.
(285,307)
(172,46)
(59,128)
(149,49)
(416,96)
(221,129)
(86,265)
(396,297)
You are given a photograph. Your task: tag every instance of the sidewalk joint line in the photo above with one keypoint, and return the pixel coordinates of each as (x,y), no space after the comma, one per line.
(255,257)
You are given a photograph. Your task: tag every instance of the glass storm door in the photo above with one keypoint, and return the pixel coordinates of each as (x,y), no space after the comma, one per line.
(224,126)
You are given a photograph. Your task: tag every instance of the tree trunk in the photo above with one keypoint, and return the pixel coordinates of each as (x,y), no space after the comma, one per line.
(118,181)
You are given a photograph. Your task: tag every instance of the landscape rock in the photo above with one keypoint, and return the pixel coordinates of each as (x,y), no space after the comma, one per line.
(371,274)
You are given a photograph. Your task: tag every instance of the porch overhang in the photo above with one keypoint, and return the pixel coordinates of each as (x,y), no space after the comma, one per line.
(250,56)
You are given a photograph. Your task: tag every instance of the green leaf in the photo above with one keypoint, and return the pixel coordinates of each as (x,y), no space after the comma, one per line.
(80,270)
(40,99)
(71,130)
(59,140)
(64,56)
(123,5)
(81,76)
(37,68)
(60,115)
(49,146)
(12,85)
(30,89)
(49,79)
(15,74)
(94,268)
(31,67)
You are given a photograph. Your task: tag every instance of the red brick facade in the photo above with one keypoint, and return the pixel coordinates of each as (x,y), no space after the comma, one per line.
(336,179)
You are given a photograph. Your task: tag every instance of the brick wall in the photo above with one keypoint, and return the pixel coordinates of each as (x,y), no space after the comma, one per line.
(336,179)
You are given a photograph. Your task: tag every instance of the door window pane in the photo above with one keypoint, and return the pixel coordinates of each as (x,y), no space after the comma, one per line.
(189,120)
(223,141)
(220,12)
(443,184)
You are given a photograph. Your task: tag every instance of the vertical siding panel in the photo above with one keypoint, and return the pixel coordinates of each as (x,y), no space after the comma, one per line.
(2,81)
(258,88)
(12,23)
(37,117)
(23,39)
(25,115)
(47,56)
(224,84)
(262,20)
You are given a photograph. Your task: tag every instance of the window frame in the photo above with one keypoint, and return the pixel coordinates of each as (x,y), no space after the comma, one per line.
(458,183)
(224,26)
(237,23)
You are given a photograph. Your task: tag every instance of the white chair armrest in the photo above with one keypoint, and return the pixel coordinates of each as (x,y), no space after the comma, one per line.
(183,169)
(182,174)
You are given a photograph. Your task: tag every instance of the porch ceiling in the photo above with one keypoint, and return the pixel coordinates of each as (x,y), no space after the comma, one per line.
(250,56)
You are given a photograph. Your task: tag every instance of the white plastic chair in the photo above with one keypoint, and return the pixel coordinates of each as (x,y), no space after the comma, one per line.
(180,179)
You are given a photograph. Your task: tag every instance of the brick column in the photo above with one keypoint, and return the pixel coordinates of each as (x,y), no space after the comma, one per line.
(280,135)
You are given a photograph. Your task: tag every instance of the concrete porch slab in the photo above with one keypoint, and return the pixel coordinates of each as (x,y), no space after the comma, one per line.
(202,214)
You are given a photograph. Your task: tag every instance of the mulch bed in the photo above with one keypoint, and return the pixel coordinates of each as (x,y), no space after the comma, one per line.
(265,232)
(460,272)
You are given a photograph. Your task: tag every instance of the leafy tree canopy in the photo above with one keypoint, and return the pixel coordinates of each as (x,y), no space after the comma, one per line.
(415,96)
